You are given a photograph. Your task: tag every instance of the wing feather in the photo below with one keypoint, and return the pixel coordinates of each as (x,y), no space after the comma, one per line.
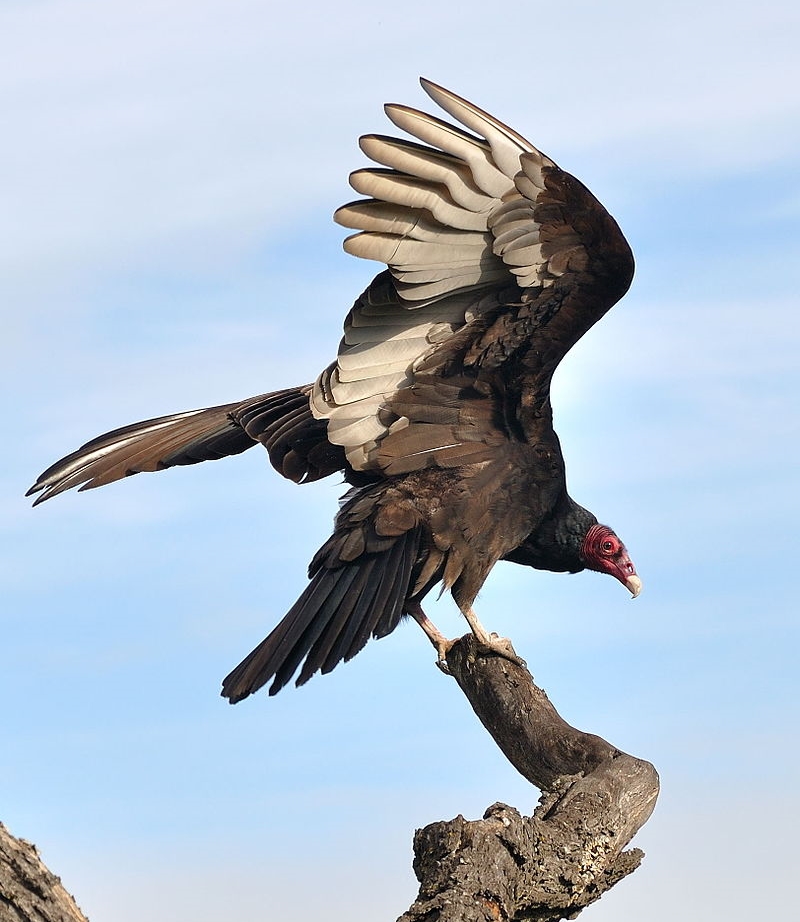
(468,220)
(151,445)
(475,152)
(505,144)
(413,223)
(433,165)
(416,192)
(282,421)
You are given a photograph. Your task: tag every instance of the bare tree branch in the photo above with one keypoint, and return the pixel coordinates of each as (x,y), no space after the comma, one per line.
(510,868)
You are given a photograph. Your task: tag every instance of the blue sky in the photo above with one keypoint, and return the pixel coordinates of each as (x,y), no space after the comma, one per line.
(168,176)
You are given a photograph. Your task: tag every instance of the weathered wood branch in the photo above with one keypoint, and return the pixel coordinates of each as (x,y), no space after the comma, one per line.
(29,892)
(510,868)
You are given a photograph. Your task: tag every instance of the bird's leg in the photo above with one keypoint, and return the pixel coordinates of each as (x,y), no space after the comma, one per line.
(433,633)
(476,627)
(495,643)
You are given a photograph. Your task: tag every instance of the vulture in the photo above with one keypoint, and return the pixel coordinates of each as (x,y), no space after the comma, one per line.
(436,409)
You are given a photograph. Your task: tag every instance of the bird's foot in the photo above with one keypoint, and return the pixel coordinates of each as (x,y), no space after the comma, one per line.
(443,647)
(499,646)
(491,643)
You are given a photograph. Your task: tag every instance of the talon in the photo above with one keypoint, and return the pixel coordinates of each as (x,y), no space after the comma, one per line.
(493,643)
(441,664)
(443,647)
(501,646)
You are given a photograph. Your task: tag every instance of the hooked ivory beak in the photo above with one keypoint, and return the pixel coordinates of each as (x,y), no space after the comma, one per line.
(634,585)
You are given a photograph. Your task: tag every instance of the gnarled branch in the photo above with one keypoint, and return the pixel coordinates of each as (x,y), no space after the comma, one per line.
(551,865)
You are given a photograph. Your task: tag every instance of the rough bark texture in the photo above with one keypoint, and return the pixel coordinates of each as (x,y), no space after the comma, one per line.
(28,891)
(510,868)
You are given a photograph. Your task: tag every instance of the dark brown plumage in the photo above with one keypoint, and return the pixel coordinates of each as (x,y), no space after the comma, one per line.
(437,408)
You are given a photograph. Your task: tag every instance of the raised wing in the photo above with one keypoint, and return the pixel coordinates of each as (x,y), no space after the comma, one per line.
(492,251)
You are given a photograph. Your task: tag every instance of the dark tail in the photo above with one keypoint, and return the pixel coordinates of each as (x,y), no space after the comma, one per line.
(332,620)
(282,421)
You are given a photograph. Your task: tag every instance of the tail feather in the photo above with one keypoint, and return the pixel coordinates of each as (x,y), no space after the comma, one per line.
(324,654)
(381,602)
(391,615)
(339,643)
(331,621)
(331,592)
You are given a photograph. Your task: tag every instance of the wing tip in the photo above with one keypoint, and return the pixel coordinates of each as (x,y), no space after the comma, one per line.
(234,698)
(46,489)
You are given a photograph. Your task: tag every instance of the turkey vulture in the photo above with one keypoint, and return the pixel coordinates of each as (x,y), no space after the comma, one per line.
(437,407)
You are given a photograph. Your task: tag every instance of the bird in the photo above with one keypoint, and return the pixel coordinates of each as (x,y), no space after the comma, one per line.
(436,409)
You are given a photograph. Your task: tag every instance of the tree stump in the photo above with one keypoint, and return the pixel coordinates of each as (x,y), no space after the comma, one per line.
(507,867)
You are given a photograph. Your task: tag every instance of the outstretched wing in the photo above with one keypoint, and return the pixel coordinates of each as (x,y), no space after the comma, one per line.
(495,257)
(280,421)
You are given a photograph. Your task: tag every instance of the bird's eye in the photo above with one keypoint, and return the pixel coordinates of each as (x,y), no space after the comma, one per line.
(608,546)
